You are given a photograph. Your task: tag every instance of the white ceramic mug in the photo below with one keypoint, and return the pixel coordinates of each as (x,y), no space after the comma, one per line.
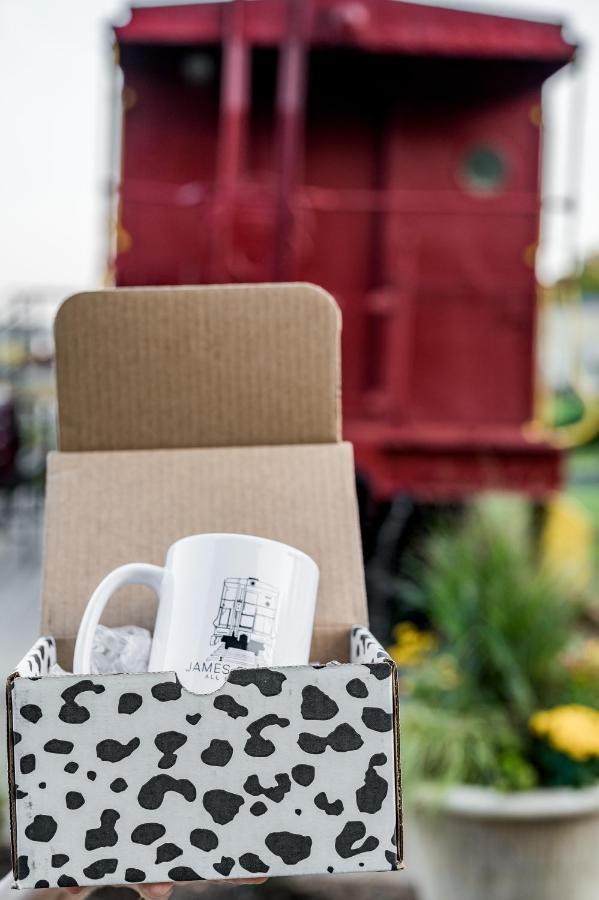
(226,601)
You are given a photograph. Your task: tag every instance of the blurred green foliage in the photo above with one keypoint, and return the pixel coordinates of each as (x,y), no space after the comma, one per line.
(503,627)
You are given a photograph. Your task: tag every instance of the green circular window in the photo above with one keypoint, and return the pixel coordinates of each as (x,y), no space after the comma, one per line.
(484,170)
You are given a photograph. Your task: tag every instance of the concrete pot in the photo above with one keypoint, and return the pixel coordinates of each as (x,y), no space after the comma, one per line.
(475,843)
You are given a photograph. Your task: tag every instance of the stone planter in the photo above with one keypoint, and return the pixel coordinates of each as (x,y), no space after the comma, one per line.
(475,843)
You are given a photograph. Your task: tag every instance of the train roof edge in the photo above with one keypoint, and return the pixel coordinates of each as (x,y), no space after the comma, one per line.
(375,25)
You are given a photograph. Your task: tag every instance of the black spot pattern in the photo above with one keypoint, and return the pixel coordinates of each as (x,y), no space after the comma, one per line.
(113,751)
(71,711)
(166,690)
(331,809)
(370,796)
(291,848)
(194,719)
(342,739)
(218,753)
(42,883)
(147,833)
(16,737)
(56,746)
(303,774)
(266,784)
(134,875)
(67,881)
(352,832)
(22,868)
(100,868)
(252,863)
(203,839)
(118,785)
(316,704)
(74,799)
(379,670)
(42,828)
(275,793)
(268,682)
(27,764)
(129,703)
(356,688)
(167,852)
(152,793)
(183,873)
(224,866)
(256,745)
(223,806)
(168,742)
(377,719)
(105,835)
(91,776)
(230,706)
(31,712)
(20,794)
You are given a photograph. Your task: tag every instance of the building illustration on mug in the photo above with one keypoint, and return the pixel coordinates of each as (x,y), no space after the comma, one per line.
(245,623)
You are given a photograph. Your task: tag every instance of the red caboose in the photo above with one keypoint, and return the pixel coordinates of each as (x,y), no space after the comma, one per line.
(387,151)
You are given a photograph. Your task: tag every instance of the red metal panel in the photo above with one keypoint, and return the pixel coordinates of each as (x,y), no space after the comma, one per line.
(471,256)
(168,167)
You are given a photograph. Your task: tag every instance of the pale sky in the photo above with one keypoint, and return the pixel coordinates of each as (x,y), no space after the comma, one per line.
(56,78)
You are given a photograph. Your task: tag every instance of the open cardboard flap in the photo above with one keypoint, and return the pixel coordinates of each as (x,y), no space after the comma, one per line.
(191,410)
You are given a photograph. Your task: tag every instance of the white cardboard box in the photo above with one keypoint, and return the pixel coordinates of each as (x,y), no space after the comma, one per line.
(184,411)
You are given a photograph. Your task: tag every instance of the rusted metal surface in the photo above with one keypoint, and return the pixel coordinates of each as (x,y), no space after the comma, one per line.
(387,151)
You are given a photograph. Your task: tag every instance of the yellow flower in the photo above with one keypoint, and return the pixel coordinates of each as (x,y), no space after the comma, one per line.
(572,729)
(411,645)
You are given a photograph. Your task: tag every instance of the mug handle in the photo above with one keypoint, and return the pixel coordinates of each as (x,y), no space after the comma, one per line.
(132,573)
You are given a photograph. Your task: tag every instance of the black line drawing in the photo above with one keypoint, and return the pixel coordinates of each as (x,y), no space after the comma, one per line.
(246,619)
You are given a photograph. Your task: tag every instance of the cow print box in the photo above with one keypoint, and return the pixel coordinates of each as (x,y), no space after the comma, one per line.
(131,778)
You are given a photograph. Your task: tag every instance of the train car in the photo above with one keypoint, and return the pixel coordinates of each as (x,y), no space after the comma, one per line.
(388,151)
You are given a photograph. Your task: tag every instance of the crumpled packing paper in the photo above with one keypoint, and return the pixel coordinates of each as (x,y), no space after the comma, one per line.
(119,650)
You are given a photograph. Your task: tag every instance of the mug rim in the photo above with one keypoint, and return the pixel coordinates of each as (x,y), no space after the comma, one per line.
(246,537)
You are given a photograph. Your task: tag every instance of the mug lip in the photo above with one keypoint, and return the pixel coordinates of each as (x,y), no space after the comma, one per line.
(245,537)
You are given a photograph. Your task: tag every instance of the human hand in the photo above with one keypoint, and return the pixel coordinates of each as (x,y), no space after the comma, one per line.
(161,890)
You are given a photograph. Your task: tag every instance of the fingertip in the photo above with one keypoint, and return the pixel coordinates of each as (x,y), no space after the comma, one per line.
(158,891)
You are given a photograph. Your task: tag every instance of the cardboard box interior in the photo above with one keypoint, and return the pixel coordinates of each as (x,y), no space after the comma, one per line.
(189,410)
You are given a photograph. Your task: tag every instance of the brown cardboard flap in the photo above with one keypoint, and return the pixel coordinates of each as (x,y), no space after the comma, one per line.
(219,366)
(105,509)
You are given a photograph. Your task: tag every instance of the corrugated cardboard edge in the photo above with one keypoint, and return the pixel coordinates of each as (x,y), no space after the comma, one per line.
(398,787)
(118,390)
(10,752)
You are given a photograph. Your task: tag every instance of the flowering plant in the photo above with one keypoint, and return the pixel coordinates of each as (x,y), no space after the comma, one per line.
(498,692)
